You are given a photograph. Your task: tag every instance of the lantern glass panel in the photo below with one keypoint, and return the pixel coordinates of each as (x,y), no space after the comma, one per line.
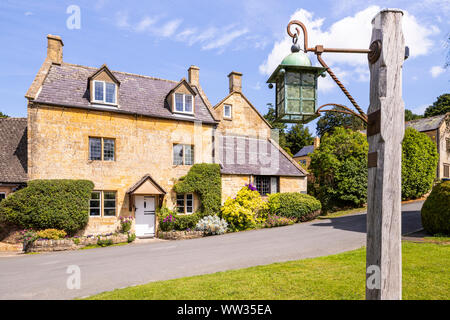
(308,92)
(308,79)
(292,78)
(293,106)
(293,91)
(308,106)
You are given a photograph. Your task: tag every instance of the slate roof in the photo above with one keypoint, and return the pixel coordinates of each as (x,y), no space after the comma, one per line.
(67,85)
(304,151)
(426,124)
(13,150)
(245,155)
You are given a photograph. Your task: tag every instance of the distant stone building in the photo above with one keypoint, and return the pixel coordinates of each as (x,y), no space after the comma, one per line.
(303,157)
(437,128)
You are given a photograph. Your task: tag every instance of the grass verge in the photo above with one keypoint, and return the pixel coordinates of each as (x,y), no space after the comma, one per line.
(341,276)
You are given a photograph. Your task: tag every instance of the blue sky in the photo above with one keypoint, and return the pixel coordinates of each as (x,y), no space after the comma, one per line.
(163,38)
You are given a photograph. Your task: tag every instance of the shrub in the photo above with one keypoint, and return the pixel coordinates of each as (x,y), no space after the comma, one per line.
(131,237)
(47,204)
(166,219)
(339,167)
(244,211)
(186,221)
(212,225)
(419,162)
(104,243)
(126,223)
(295,205)
(29,236)
(51,234)
(278,221)
(436,210)
(203,179)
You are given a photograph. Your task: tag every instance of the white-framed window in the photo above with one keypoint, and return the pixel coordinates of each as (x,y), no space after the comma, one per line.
(103,204)
(102,149)
(227,111)
(105,92)
(183,154)
(184,103)
(185,203)
(2,196)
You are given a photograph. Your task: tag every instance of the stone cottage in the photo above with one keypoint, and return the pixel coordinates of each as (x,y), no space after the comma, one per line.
(134,136)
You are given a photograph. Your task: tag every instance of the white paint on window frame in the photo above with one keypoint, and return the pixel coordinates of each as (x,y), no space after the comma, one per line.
(227,115)
(104,102)
(174,103)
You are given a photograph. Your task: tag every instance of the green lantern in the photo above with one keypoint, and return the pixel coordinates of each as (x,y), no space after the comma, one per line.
(296,88)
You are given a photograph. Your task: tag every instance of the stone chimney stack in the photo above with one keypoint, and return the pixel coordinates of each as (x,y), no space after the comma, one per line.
(235,81)
(316,142)
(55,49)
(193,75)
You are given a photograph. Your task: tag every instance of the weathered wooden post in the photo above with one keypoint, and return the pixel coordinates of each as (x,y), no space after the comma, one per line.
(385,133)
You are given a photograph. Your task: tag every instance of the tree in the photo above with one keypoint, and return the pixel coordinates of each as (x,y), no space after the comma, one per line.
(2,115)
(419,163)
(281,127)
(409,115)
(331,120)
(298,137)
(339,168)
(440,106)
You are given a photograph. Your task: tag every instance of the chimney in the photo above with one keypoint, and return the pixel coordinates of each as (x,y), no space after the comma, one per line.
(55,49)
(193,76)
(316,142)
(235,81)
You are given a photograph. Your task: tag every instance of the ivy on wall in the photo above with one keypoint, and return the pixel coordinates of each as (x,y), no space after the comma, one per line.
(203,179)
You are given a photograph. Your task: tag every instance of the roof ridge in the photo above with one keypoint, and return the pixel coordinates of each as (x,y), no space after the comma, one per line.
(422,119)
(121,72)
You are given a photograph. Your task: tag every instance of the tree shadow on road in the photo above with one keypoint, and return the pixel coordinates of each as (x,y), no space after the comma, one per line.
(411,221)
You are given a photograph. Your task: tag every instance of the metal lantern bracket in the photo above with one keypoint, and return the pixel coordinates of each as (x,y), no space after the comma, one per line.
(373,53)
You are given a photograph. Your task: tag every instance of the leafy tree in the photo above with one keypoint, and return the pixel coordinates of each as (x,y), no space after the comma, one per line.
(419,162)
(281,127)
(440,106)
(339,168)
(331,120)
(409,115)
(436,210)
(298,137)
(2,115)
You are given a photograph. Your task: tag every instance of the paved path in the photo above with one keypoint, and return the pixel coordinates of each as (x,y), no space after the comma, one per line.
(43,276)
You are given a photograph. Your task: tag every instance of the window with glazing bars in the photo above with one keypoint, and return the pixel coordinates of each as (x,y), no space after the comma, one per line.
(96,145)
(183,154)
(266,184)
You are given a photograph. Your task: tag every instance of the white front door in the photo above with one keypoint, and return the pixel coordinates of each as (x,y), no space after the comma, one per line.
(145,215)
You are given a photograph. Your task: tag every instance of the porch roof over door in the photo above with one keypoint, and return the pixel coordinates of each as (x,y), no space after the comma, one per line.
(146,185)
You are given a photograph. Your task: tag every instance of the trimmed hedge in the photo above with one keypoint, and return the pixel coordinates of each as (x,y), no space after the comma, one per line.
(203,179)
(177,222)
(49,204)
(436,210)
(297,205)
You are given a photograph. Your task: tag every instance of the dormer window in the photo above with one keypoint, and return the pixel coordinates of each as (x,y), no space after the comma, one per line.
(184,103)
(104,92)
(227,111)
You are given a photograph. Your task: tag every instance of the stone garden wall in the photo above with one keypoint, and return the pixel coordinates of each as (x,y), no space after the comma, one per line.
(179,235)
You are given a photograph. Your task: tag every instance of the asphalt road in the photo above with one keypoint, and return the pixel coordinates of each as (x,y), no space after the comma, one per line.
(44,276)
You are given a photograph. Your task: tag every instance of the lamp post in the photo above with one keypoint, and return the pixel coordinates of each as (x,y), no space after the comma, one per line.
(296,101)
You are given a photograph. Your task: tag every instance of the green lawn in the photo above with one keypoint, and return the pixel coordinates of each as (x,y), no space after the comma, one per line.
(341,276)
(342,213)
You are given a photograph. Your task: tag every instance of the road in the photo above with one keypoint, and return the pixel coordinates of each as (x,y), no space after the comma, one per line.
(44,276)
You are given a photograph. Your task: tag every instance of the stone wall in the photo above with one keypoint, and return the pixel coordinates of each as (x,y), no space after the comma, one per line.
(231,184)
(293,184)
(444,154)
(179,235)
(59,149)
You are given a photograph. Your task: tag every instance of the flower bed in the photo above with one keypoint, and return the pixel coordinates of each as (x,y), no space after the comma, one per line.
(180,235)
(47,245)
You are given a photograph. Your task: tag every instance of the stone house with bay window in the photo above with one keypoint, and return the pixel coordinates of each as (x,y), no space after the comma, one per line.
(134,136)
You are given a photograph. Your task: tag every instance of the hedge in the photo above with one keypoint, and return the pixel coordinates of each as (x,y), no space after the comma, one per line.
(297,205)
(436,210)
(203,179)
(49,204)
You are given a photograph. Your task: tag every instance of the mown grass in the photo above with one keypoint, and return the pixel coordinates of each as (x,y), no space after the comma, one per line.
(341,276)
(342,213)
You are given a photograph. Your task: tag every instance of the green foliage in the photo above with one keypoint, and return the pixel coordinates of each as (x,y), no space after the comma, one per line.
(436,210)
(419,162)
(131,237)
(125,223)
(2,115)
(409,115)
(278,221)
(104,242)
(166,218)
(331,120)
(440,106)
(203,179)
(296,205)
(45,204)
(51,234)
(245,211)
(339,167)
(298,137)
(169,220)
(280,127)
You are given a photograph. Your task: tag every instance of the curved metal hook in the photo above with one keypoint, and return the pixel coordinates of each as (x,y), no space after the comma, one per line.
(346,110)
(297,34)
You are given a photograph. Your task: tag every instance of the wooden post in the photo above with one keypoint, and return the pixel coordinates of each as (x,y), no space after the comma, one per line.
(385,134)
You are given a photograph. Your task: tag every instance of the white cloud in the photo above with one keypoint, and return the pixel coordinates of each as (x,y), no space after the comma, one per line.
(169,28)
(122,20)
(28,13)
(350,32)
(436,71)
(144,24)
(224,39)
